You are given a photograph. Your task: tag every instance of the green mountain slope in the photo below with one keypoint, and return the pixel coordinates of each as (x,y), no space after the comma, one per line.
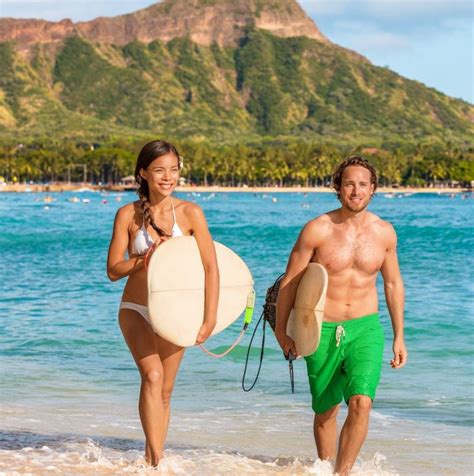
(268,86)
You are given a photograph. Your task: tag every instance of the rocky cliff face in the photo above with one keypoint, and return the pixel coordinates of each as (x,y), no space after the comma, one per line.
(203,21)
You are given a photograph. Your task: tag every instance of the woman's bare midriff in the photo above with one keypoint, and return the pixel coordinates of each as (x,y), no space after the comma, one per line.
(136,288)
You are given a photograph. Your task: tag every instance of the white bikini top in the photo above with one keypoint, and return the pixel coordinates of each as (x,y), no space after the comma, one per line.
(143,240)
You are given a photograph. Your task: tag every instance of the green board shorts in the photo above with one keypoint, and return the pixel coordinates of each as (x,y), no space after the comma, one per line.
(347,362)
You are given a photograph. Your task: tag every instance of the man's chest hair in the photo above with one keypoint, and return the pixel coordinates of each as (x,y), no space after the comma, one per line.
(364,252)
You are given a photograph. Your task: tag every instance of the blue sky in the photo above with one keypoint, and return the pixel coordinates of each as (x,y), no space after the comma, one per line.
(430,41)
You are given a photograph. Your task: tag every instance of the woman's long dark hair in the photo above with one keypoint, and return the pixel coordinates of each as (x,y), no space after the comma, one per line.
(147,155)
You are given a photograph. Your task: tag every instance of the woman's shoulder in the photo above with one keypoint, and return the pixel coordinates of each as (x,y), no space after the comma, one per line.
(190,210)
(128,211)
(185,205)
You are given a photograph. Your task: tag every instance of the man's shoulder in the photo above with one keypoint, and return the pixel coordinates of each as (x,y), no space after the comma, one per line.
(319,225)
(320,221)
(384,229)
(380,223)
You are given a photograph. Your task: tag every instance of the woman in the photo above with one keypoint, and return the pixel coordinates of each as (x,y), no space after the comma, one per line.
(156,217)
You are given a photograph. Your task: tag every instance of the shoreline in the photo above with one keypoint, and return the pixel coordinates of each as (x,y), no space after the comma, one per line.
(292,452)
(84,187)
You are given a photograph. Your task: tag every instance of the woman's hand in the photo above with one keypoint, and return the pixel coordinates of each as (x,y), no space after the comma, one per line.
(153,247)
(211,270)
(204,332)
(151,250)
(158,241)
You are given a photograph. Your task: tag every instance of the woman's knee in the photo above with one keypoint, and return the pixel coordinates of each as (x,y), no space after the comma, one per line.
(153,378)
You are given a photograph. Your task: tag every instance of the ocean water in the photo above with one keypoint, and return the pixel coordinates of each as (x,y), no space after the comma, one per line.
(69,387)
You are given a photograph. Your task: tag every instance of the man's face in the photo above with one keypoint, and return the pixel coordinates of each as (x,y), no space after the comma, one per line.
(356,188)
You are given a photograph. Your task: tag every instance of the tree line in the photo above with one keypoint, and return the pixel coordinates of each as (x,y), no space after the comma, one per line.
(264,164)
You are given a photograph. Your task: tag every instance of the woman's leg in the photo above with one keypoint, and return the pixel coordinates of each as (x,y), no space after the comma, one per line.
(141,341)
(171,356)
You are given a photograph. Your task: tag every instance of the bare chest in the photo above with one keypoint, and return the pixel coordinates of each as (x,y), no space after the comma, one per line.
(364,252)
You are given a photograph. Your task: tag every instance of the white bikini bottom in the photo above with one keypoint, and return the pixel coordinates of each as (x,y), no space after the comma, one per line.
(142,310)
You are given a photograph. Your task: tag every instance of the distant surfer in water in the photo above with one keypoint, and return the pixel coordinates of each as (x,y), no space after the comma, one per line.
(353,245)
(139,225)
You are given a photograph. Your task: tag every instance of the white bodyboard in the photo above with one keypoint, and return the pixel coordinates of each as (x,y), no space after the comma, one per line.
(306,317)
(176,289)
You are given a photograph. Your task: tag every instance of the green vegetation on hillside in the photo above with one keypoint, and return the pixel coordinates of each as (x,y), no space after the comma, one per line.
(91,85)
(10,83)
(267,87)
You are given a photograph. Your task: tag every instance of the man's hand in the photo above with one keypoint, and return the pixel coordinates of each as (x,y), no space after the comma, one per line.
(287,344)
(400,354)
(204,332)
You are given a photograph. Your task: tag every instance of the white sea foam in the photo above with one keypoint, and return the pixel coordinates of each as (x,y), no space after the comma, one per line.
(92,457)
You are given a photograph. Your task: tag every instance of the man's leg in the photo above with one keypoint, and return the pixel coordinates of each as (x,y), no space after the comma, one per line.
(362,366)
(353,433)
(325,433)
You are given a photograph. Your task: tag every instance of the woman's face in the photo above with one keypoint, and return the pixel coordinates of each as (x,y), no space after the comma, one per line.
(162,174)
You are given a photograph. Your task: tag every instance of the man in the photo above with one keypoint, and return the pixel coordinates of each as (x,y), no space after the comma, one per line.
(353,245)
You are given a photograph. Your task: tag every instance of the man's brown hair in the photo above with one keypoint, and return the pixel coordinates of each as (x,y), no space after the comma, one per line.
(352,160)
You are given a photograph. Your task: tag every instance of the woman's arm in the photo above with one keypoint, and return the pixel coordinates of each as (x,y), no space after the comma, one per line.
(117,266)
(211,270)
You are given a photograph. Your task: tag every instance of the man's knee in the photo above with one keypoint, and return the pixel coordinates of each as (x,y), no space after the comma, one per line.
(328,417)
(360,405)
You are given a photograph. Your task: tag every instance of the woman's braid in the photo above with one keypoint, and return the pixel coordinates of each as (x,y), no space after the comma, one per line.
(145,206)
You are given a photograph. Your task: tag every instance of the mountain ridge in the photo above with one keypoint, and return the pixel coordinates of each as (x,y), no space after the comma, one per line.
(202,21)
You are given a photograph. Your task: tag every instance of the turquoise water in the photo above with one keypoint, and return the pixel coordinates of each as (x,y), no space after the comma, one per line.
(69,384)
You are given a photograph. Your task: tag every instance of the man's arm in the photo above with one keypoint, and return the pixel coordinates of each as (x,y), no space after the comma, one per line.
(300,257)
(395,297)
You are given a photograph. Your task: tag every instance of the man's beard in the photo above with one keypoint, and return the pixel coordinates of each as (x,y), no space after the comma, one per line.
(356,208)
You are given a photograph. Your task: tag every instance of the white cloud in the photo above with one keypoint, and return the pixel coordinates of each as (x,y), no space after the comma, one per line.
(323,8)
(326,8)
(364,36)
(380,40)
(418,8)
(458,24)
(385,9)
